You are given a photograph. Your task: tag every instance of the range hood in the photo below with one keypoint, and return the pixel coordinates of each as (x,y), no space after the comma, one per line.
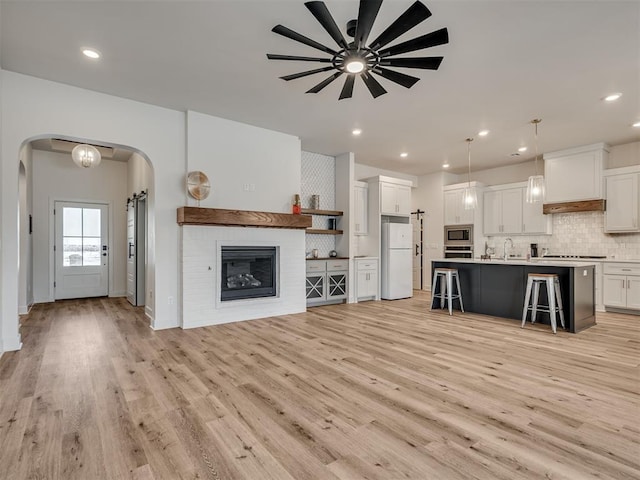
(577,206)
(574,179)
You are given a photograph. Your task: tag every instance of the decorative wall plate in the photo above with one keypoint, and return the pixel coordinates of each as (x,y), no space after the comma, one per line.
(198,185)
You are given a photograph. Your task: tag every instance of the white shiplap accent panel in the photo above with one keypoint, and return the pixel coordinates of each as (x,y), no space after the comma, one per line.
(200,275)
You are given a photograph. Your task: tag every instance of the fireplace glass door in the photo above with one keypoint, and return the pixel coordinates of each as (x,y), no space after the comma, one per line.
(248,272)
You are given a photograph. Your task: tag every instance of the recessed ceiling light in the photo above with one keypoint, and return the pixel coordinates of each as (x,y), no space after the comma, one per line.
(612,97)
(483,133)
(91,53)
(356,131)
(404,154)
(637,124)
(522,149)
(445,165)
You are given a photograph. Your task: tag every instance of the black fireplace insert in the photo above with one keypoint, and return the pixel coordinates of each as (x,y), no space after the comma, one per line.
(248,272)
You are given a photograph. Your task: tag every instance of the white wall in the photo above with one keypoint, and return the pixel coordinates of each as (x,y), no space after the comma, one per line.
(249,168)
(428,197)
(34,108)
(625,155)
(56,177)
(519,172)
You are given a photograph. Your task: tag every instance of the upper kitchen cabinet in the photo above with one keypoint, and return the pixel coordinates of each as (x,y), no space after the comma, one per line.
(575,174)
(360,208)
(507,213)
(503,211)
(395,195)
(622,193)
(454,211)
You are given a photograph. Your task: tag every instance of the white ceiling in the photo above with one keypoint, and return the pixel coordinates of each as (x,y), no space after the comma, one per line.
(507,62)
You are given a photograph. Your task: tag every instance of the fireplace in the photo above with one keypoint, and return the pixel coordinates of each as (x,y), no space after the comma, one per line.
(248,272)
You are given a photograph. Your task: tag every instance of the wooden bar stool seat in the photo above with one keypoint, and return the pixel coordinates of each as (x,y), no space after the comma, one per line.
(552,282)
(446,276)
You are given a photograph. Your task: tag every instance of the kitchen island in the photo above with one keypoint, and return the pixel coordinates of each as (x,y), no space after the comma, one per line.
(497,288)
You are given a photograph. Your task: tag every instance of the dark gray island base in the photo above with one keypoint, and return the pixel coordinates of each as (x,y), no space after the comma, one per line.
(497,288)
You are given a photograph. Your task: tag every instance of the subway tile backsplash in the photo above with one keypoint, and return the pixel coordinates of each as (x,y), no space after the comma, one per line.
(318,178)
(574,234)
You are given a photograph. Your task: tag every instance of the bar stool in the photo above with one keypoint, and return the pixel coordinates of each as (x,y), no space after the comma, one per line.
(446,287)
(552,283)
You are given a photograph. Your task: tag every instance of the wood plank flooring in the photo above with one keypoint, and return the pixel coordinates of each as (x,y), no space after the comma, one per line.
(377,390)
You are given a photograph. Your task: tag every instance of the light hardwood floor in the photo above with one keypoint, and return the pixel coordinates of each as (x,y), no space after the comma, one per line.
(378,390)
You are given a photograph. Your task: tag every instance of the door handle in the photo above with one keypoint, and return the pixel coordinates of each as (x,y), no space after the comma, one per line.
(130,245)
(417,250)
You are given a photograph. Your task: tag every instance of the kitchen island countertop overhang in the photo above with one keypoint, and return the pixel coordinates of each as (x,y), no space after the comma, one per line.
(497,288)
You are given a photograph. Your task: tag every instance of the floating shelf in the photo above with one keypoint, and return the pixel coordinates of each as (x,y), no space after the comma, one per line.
(324,232)
(569,207)
(329,213)
(240,218)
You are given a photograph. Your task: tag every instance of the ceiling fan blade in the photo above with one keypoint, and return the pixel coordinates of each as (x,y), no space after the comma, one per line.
(287,32)
(321,12)
(400,78)
(427,63)
(324,83)
(373,85)
(274,56)
(432,39)
(415,14)
(293,76)
(347,88)
(367,13)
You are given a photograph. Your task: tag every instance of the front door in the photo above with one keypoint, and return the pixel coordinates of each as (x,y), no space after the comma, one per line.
(81,250)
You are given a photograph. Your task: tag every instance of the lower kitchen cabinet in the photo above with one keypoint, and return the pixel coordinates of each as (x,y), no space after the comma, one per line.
(326,281)
(367,279)
(621,285)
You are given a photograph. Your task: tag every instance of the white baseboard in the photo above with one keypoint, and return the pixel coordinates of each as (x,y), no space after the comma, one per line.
(24,309)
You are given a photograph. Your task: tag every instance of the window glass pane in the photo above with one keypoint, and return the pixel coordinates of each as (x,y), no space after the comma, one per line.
(91,251)
(71,222)
(72,251)
(91,222)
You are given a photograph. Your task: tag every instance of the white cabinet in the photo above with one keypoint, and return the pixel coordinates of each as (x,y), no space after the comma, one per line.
(533,220)
(326,281)
(507,213)
(454,211)
(621,285)
(366,279)
(503,211)
(622,203)
(395,199)
(575,174)
(361,208)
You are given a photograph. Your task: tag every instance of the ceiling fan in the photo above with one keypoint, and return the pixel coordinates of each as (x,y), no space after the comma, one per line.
(355,58)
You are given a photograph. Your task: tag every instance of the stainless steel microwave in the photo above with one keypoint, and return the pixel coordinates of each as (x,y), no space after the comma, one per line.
(458,235)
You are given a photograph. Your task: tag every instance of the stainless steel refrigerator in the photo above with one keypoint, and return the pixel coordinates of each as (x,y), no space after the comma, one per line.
(397,261)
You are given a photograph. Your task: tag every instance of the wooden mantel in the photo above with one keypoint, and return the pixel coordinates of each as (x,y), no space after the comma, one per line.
(240,218)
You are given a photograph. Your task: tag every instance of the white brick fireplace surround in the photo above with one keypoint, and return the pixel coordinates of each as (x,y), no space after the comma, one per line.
(201,246)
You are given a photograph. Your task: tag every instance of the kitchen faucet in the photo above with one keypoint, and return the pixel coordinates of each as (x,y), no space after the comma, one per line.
(504,252)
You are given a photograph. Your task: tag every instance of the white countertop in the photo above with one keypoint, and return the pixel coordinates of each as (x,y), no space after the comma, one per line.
(524,262)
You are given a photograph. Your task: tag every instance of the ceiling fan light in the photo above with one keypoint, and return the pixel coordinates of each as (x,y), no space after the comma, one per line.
(86,156)
(354,65)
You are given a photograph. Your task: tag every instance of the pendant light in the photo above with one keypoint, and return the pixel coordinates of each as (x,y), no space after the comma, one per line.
(86,156)
(535,185)
(469,196)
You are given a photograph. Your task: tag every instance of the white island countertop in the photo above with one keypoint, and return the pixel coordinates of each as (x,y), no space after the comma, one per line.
(516,261)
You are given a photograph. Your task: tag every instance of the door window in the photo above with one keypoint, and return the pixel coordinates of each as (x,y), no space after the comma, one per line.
(81,236)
